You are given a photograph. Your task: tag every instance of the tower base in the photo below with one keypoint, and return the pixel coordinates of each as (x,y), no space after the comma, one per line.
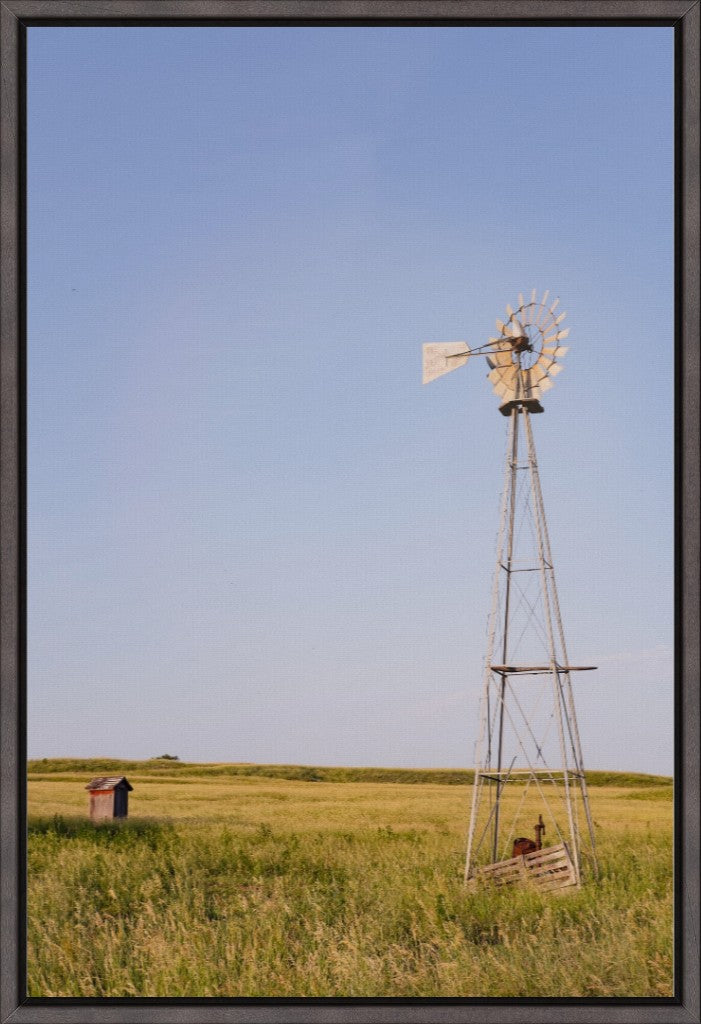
(547,869)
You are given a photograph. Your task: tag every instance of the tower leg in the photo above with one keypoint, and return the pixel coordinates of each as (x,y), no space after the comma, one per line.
(568,706)
(561,710)
(513,465)
(484,758)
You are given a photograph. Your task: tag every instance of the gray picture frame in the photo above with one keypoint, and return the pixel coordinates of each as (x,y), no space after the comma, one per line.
(15,17)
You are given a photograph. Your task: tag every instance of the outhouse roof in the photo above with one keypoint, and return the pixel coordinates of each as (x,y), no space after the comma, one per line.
(109,782)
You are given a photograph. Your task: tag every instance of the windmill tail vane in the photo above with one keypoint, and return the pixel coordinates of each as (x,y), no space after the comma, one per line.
(529,770)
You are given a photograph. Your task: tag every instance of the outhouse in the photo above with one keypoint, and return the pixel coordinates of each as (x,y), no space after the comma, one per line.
(109,797)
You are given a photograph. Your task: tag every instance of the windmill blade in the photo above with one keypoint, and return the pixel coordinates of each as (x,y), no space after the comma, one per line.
(502,357)
(509,310)
(441,357)
(501,326)
(544,363)
(531,310)
(500,354)
(552,341)
(544,308)
(520,300)
(555,369)
(509,374)
(558,352)
(545,384)
(504,391)
(542,316)
(554,326)
(503,376)
(558,336)
(556,320)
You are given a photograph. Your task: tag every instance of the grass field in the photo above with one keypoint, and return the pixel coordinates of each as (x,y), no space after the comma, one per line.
(244,880)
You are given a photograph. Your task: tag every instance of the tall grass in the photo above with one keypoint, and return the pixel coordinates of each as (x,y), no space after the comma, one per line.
(310,903)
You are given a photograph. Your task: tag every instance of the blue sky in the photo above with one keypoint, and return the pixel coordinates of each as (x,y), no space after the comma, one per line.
(253,534)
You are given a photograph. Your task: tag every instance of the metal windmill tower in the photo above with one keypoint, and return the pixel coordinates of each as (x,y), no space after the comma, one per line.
(528,757)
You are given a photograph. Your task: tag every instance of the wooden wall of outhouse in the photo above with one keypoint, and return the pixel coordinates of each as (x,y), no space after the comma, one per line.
(109,796)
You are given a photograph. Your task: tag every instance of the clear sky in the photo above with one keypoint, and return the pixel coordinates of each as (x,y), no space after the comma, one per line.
(253,534)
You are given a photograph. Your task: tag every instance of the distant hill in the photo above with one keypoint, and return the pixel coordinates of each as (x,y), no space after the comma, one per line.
(300,773)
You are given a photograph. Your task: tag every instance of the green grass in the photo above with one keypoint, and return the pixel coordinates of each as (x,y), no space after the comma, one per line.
(159,767)
(232,884)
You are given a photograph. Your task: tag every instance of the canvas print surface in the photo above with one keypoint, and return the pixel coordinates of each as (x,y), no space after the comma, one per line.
(340,685)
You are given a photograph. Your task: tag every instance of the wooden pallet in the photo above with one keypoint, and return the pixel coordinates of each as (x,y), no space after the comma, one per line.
(548,869)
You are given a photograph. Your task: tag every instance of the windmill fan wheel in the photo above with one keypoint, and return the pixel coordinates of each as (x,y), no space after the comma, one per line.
(526,355)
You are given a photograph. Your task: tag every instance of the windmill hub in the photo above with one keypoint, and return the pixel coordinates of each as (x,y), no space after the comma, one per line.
(525,354)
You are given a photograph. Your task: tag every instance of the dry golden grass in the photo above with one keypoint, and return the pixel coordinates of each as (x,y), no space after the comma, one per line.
(237,886)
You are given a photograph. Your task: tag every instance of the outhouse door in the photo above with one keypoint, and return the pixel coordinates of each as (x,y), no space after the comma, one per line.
(121,795)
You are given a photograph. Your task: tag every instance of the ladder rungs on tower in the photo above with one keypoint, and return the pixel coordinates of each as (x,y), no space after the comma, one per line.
(519,773)
(538,670)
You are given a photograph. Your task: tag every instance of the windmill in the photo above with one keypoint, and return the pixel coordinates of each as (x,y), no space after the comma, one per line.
(528,756)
